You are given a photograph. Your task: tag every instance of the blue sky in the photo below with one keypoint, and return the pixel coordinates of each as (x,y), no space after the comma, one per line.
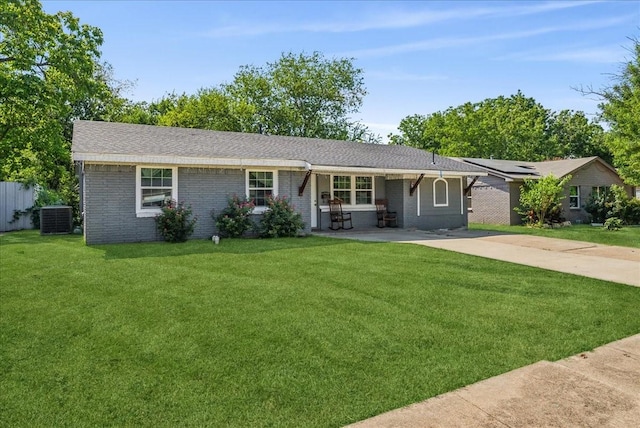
(417,57)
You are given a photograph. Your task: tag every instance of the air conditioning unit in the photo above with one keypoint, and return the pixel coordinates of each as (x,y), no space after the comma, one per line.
(56,219)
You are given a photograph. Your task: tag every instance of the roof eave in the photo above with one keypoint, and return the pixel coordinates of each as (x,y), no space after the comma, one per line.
(187,161)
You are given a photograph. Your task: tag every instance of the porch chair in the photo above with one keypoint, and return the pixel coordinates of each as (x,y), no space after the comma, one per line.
(337,216)
(385,217)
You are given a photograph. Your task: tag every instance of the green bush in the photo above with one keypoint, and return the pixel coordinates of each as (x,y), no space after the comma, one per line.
(613,223)
(614,203)
(175,223)
(540,200)
(234,220)
(280,220)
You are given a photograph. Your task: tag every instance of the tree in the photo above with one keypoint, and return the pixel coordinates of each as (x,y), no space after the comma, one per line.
(575,136)
(47,64)
(540,200)
(514,127)
(620,108)
(299,95)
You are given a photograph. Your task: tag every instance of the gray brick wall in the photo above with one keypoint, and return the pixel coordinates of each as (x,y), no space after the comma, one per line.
(109,200)
(491,201)
(594,175)
(494,199)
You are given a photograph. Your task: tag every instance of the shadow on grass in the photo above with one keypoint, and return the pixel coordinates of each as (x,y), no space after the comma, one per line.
(33,237)
(165,249)
(202,246)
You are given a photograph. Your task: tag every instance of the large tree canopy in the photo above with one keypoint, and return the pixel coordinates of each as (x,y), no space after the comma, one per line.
(299,95)
(514,127)
(621,110)
(48,65)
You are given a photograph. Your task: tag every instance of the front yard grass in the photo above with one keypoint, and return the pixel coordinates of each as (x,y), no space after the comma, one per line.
(286,332)
(628,236)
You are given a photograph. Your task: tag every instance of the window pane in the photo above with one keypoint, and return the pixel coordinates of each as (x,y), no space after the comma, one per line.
(155,197)
(342,182)
(259,197)
(261,180)
(145,182)
(345,195)
(364,183)
(573,190)
(363,197)
(145,172)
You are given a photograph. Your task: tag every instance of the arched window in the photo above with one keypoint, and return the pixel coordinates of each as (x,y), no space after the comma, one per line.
(440,193)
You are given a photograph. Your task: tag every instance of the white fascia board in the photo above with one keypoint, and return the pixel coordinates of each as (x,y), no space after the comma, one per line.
(390,171)
(188,161)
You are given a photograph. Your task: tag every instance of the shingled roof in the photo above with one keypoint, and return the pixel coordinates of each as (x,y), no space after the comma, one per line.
(121,142)
(518,170)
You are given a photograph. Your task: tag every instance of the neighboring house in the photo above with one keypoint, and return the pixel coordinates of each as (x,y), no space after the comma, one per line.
(126,172)
(492,199)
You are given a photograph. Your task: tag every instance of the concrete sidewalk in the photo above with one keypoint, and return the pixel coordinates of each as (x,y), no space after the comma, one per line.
(606,262)
(593,389)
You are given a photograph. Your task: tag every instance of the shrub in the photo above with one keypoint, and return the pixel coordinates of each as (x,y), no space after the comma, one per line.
(540,200)
(598,206)
(280,220)
(234,220)
(614,203)
(613,223)
(175,223)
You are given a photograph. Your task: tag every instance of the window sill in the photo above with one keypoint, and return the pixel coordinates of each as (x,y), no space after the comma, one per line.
(148,213)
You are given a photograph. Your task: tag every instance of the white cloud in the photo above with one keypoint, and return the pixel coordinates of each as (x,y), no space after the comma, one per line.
(385,20)
(442,43)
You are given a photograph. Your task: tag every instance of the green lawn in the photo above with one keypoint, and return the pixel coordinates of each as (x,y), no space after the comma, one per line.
(287,332)
(628,236)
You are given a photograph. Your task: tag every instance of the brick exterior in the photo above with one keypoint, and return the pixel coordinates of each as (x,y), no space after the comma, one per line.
(109,200)
(491,201)
(593,175)
(494,199)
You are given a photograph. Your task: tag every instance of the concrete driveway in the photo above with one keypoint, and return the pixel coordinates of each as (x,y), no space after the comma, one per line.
(610,263)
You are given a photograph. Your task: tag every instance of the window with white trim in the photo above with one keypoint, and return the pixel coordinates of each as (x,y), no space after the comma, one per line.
(353,189)
(574,197)
(440,193)
(260,186)
(155,186)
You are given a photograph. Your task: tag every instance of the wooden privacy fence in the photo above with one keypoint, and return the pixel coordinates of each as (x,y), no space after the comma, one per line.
(15,197)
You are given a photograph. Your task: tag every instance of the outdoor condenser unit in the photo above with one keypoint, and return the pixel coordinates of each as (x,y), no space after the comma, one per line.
(56,219)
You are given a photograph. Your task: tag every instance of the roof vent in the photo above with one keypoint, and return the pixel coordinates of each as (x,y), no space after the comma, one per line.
(56,219)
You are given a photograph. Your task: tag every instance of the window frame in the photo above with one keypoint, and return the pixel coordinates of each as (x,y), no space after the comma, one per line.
(600,190)
(274,190)
(153,211)
(353,189)
(446,192)
(576,196)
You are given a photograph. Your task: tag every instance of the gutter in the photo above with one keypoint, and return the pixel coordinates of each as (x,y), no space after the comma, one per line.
(242,163)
